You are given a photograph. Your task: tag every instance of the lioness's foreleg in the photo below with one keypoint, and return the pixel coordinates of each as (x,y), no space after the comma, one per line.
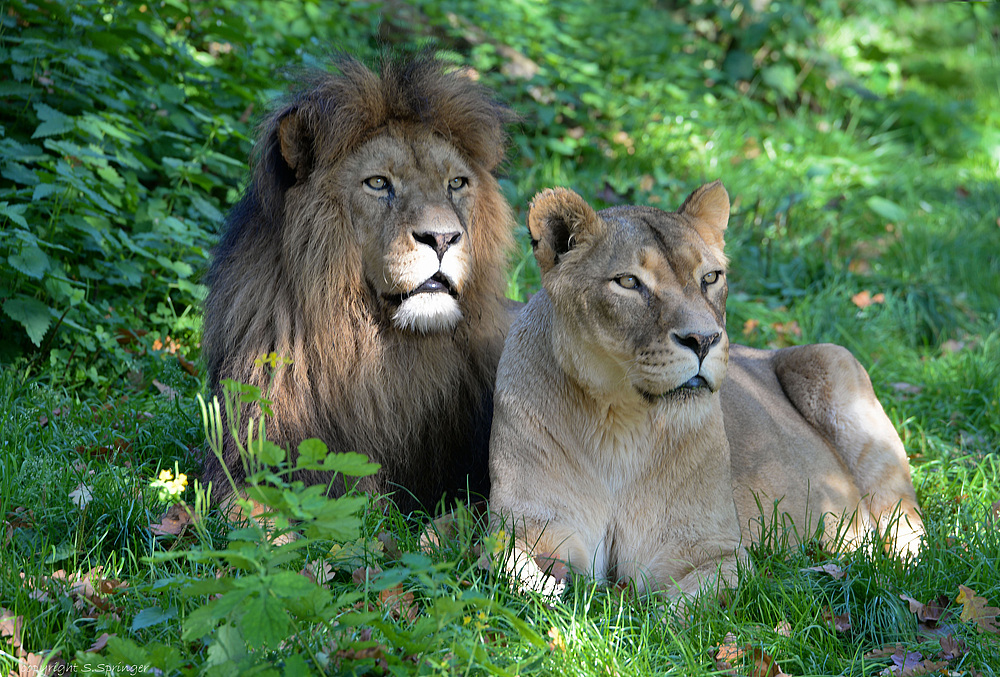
(833,392)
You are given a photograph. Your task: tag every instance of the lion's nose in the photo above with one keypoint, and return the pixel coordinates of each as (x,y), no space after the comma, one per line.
(700,344)
(439,242)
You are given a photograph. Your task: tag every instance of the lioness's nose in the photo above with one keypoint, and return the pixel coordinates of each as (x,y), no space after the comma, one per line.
(439,242)
(700,344)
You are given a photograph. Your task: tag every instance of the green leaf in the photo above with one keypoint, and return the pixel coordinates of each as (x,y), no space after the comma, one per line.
(227,650)
(203,620)
(781,78)
(350,463)
(14,213)
(53,122)
(311,451)
(33,315)
(290,584)
(265,622)
(887,209)
(31,261)
(152,616)
(270,453)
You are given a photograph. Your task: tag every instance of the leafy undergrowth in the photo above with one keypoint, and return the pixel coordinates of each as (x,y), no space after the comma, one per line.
(860,148)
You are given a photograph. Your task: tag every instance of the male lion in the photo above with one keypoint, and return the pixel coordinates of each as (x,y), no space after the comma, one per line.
(370,248)
(609,448)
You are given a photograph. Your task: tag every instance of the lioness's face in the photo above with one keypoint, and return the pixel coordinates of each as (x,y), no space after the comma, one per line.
(411,207)
(639,297)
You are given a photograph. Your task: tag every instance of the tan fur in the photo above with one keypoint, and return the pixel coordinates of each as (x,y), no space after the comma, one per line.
(317,265)
(607,455)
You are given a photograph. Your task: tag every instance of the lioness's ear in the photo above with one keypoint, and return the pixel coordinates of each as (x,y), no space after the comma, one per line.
(558,220)
(709,207)
(295,141)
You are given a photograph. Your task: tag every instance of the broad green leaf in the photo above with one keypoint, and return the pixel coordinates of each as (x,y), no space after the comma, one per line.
(265,622)
(203,620)
(887,209)
(311,451)
(53,122)
(31,261)
(33,315)
(290,584)
(350,463)
(14,212)
(781,78)
(152,616)
(270,453)
(227,650)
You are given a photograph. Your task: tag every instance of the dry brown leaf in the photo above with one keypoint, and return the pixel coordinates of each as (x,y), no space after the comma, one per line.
(864,298)
(952,647)
(10,626)
(399,603)
(729,653)
(100,642)
(974,609)
(363,574)
(165,390)
(839,622)
(833,570)
(391,549)
(174,521)
(906,388)
(750,326)
(951,346)
(319,571)
(911,664)
(784,629)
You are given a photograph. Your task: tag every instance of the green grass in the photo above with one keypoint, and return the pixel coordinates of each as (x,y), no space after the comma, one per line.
(873,167)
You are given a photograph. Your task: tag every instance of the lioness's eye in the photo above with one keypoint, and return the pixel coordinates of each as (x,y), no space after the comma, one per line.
(377,182)
(458,182)
(711,278)
(628,281)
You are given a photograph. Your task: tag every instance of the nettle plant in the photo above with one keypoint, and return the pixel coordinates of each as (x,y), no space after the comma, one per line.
(301,587)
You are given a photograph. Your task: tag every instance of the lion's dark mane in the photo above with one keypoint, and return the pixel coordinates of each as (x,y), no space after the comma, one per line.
(419,405)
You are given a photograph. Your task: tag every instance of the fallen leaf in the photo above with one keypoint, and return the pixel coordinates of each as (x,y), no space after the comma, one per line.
(100,642)
(750,326)
(833,570)
(10,626)
(81,496)
(929,612)
(839,622)
(173,523)
(165,390)
(318,571)
(399,603)
(361,575)
(187,365)
(864,298)
(784,629)
(974,608)
(951,346)
(729,653)
(392,551)
(906,388)
(952,647)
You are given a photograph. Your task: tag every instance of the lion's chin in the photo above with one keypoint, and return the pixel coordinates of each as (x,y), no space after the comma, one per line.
(427,313)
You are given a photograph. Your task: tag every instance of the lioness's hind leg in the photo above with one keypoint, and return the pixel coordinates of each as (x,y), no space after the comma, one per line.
(833,392)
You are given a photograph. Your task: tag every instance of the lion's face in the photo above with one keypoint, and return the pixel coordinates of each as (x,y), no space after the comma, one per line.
(638,294)
(411,199)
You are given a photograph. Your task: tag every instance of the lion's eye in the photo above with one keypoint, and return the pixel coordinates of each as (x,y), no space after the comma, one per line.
(377,182)
(710,278)
(628,281)
(458,183)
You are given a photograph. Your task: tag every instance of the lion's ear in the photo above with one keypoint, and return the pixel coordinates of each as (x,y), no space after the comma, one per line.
(295,141)
(709,207)
(558,220)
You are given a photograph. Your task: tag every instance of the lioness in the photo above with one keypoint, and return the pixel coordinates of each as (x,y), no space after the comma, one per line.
(370,248)
(620,447)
